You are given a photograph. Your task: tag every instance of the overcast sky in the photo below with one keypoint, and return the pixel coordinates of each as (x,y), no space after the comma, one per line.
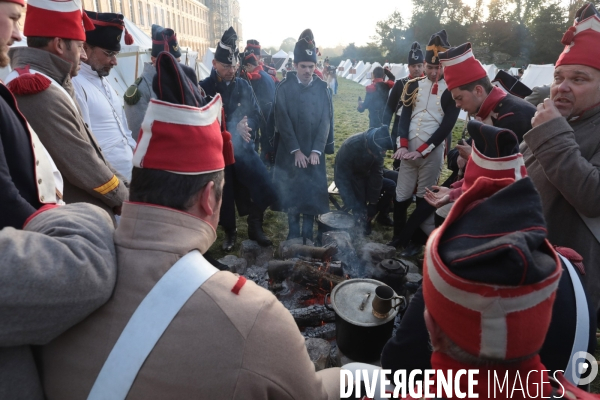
(334,22)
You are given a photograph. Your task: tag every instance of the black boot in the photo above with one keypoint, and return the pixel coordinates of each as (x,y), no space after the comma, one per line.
(293,226)
(400,208)
(384,219)
(307,226)
(255,229)
(230,238)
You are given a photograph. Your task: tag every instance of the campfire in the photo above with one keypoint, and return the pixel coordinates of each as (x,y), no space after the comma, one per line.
(302,276)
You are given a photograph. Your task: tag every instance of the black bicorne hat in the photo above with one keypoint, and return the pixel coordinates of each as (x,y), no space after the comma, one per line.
(512,85)
(438,43)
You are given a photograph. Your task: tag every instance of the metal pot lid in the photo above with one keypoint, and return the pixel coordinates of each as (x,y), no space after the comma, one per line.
(393,266)
(352,301)
(337,220)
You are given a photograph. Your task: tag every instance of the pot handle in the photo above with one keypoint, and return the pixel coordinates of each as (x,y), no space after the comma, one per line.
(404,266)
(327,306)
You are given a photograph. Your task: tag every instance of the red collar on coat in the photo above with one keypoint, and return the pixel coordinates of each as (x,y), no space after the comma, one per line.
(490,102)
(255,75)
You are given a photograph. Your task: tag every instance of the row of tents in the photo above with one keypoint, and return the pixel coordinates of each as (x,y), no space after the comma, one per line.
(361,72)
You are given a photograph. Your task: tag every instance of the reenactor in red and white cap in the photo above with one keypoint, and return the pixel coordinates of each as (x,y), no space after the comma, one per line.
(41,82)
(561,151)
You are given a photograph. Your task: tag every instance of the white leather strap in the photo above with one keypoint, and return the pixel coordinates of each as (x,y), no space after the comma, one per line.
(148,323)
(582,329)
(14,74)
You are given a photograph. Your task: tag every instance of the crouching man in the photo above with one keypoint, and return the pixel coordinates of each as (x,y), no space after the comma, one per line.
(176,327)
(359,176)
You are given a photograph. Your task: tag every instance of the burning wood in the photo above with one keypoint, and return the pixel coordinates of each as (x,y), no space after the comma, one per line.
(314,315)
(305,274)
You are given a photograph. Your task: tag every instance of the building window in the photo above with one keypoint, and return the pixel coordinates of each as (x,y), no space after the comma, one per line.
(110,6)
(121,8)
(141,12)
(131,11)
(156,20)
(163,17)
(149,14)
(96,6)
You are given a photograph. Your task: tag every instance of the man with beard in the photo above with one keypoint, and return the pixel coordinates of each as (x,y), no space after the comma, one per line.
(137,96)
(23,158)
(41,83)
(303,115)
(247,182)
(101,107)
(562,150)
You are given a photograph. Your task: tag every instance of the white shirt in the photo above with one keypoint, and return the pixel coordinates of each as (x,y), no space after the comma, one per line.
(102,110)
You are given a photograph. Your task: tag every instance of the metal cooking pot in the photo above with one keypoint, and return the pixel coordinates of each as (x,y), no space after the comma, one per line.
(334,221)
(392,272)
(360,334)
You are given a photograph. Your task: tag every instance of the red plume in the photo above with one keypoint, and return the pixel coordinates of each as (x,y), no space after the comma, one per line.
(128,37)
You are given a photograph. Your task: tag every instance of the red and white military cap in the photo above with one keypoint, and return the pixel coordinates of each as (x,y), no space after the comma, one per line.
(180,133)
(56,18)
(460,66)
(580,38)
(490,275)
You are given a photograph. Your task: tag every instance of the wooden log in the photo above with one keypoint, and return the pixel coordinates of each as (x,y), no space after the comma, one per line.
(310,277)
(326,332)
(280,270)
(313,315)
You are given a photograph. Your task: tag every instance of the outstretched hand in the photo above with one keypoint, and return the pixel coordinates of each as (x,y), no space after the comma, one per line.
(244,130)
(439,199)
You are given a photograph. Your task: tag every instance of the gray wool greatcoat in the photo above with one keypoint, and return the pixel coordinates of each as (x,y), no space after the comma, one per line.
(303,115)
(563,160)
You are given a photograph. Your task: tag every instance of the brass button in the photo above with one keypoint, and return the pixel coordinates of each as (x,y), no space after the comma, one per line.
(437,102)
(500,105)
(42,198)
(40,180)
(418,129)
(37,162)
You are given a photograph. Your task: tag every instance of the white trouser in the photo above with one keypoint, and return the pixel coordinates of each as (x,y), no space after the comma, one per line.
(422,173)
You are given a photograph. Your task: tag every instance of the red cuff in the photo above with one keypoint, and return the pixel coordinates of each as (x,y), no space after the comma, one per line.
(422,148)
(404,142)
(43,208)
(390,83)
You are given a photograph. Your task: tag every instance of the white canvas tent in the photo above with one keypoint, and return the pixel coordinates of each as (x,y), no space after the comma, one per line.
(359,67)
(208,57)
(491,70)
(359,76)
(399,70)
(369,75)
(538,75)
(280,59)
(345,66)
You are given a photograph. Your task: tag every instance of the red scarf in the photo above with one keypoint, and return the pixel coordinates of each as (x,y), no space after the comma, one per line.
(255,75)
(490,102)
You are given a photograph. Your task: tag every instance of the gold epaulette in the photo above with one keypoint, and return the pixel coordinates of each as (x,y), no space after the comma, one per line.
(408,100)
